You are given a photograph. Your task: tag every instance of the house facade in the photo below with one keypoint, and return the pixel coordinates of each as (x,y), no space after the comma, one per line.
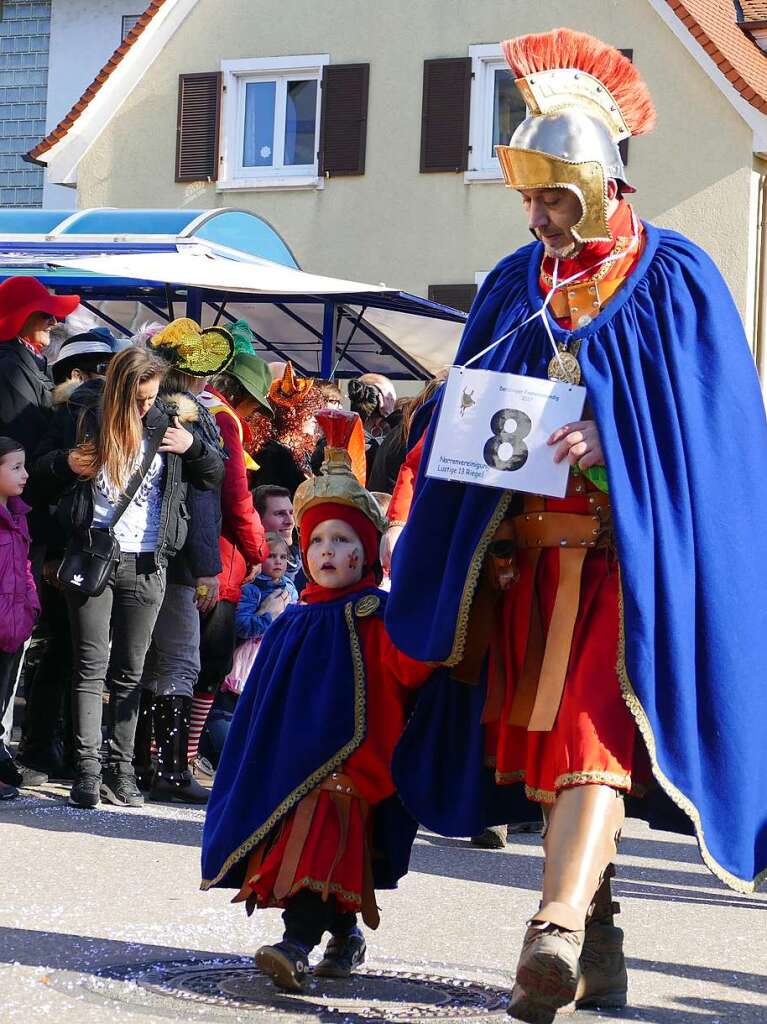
(365,136)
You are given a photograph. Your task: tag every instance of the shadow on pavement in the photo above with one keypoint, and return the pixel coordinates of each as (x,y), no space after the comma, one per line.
(660,849)
(690,1011)
(62,951)
(725,898)
(523,871)
(58,816)
(697,972)
(59,951)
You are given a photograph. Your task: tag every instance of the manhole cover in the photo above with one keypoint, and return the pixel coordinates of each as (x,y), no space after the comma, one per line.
(374,993)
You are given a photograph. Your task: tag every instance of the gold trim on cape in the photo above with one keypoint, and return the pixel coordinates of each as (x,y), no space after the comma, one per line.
(313,780)
(668,787)
(548,796)
(472,579)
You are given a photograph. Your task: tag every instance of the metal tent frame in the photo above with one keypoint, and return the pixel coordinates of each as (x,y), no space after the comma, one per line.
(326,331)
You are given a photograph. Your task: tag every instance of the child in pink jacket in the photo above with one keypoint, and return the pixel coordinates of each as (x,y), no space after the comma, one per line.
(19,604)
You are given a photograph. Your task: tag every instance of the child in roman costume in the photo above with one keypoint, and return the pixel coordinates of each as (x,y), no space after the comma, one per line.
(303,813)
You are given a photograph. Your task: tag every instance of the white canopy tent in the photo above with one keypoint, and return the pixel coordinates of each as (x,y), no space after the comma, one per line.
(222,265)
(287,309)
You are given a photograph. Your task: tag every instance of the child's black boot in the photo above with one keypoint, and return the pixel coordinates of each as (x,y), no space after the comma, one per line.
(342,955)
(286,963)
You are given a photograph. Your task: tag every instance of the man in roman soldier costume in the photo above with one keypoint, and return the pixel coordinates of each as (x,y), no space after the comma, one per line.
(610,644)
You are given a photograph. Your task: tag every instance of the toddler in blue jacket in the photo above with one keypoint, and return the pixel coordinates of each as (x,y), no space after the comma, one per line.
(261,602)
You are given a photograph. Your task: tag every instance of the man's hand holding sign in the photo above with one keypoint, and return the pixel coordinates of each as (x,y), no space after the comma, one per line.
(578,443)
(503,438)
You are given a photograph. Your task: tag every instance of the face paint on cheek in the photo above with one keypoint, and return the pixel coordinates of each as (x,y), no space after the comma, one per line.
(354,559)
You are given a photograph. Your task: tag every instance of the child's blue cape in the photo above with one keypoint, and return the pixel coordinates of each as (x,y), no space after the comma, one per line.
(302,713)
(681,418)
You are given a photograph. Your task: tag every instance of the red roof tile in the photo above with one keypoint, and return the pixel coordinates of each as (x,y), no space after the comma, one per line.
(61,129)
(753,10)
(714,23)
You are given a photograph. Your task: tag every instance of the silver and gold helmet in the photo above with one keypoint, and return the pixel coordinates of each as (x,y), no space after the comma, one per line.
(584,97)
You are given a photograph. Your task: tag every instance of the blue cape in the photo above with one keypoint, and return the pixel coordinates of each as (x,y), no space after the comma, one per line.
(302,712)
(674,392)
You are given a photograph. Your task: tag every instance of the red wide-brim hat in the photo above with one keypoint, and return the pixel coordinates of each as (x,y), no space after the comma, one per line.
(20,297)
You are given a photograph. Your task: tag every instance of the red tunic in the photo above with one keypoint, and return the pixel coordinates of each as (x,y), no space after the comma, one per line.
(336,850)
(594,738)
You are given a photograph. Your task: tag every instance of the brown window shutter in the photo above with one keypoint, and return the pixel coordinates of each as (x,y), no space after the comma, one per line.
(623,145)
(343,119)
(457,296)
(197,126)
(445,114)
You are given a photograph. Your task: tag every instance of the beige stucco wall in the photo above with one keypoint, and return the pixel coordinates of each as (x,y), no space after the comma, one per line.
(394,224)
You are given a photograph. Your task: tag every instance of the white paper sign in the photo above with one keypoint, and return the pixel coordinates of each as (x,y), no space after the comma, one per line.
(493,428)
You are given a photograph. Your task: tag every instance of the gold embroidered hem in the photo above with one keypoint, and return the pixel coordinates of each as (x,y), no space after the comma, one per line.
(316,885)
(360,729)
(676,795)
(548,796)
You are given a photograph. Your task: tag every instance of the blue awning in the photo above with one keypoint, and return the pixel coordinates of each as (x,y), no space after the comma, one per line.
(217,266)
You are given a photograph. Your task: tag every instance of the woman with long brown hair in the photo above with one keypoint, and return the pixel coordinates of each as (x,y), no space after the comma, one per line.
(125,446)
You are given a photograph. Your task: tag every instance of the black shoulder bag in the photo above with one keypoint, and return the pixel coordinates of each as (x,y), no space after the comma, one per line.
(90,558)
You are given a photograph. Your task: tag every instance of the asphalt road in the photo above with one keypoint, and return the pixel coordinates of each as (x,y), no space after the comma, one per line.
(101,921)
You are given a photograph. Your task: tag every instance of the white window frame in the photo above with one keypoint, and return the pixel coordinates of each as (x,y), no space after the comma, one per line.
(486,58)
(233,176)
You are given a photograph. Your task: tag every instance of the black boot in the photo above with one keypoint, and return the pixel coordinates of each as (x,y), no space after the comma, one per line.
(142,745)
(342,954)
(286,963)
(174,783)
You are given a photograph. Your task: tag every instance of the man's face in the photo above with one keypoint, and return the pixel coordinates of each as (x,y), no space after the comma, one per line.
(278,517)
(37,329)
(552,213)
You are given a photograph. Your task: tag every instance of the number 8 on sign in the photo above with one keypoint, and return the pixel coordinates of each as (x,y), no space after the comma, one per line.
(506,449)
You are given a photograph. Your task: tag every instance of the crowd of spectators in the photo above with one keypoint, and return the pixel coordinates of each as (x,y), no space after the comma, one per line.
(146,513)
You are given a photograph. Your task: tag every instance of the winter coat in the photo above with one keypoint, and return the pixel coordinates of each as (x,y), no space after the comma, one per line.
(25,395)
(249,621)
(60,432)
(276,465)
(19,604)
(200,555)
(53,481)
(243,543)
(388,458)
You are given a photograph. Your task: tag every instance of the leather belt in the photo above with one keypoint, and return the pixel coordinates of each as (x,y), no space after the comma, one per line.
(538,695)
(538,691)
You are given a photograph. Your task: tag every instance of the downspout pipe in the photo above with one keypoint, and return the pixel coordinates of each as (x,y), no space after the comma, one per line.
(760,332)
